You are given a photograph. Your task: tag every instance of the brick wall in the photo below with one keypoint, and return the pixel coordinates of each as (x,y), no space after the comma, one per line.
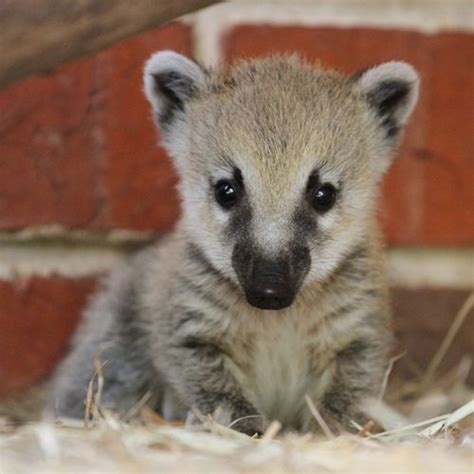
(82,182)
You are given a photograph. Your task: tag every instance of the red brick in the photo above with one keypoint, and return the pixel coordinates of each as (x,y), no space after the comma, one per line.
(78,148)
(428,194)
(138,177)
(39,315)
(77,145)
(48,149)
(449,191)
(37,318)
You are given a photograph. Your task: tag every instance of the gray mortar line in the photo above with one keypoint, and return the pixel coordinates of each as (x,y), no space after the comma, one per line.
(407,266)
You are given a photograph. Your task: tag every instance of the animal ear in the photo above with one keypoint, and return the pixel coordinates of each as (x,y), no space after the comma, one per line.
(170,80)
(391,90)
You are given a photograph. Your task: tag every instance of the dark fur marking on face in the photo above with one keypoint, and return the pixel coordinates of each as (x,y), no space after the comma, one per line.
(306,214)
(239,220)
(300,262)
(305,221)
(313,180)
(238,178)
(242,255)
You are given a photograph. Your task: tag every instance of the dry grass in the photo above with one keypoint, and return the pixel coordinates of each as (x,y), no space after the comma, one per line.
(424,426)
(152,446)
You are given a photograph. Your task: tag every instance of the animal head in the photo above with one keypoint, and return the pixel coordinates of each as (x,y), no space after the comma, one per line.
(279,162)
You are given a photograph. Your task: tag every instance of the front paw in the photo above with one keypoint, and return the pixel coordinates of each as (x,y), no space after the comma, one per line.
(249,423)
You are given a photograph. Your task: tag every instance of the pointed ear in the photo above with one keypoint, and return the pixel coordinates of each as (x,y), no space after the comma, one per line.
(170,80)
(391,89)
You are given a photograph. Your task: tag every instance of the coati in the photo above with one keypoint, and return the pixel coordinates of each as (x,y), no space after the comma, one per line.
(272,285)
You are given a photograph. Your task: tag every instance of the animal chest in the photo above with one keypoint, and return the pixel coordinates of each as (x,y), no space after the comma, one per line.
(285,362)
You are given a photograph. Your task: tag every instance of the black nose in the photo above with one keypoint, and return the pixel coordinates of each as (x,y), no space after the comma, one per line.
(270,283)
(268,296)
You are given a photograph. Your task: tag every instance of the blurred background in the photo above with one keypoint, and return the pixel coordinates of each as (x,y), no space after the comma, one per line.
(82,182)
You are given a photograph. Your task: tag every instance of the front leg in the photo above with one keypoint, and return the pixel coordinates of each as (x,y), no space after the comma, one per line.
(200,373)
(358,373)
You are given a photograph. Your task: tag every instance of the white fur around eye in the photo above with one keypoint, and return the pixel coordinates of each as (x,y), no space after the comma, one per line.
(221,216)
(328,220)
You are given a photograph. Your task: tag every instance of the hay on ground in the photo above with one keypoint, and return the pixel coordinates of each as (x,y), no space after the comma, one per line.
(423,426)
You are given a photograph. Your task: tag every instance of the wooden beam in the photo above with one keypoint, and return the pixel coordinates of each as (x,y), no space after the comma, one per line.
(37,35)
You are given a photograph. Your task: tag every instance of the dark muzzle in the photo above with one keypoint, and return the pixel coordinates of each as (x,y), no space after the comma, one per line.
(270,283)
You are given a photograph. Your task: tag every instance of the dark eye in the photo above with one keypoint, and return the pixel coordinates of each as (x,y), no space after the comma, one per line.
(225,194)
(324,197)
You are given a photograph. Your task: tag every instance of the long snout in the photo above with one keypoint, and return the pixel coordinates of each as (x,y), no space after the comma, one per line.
(270,283)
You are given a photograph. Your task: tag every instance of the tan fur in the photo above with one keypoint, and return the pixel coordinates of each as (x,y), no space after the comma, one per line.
(177,317)
(271,354)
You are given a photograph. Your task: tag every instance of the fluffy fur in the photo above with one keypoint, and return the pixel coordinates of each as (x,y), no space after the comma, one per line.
(176,319)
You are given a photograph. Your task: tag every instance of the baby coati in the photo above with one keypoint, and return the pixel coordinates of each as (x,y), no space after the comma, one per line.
(272,285)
